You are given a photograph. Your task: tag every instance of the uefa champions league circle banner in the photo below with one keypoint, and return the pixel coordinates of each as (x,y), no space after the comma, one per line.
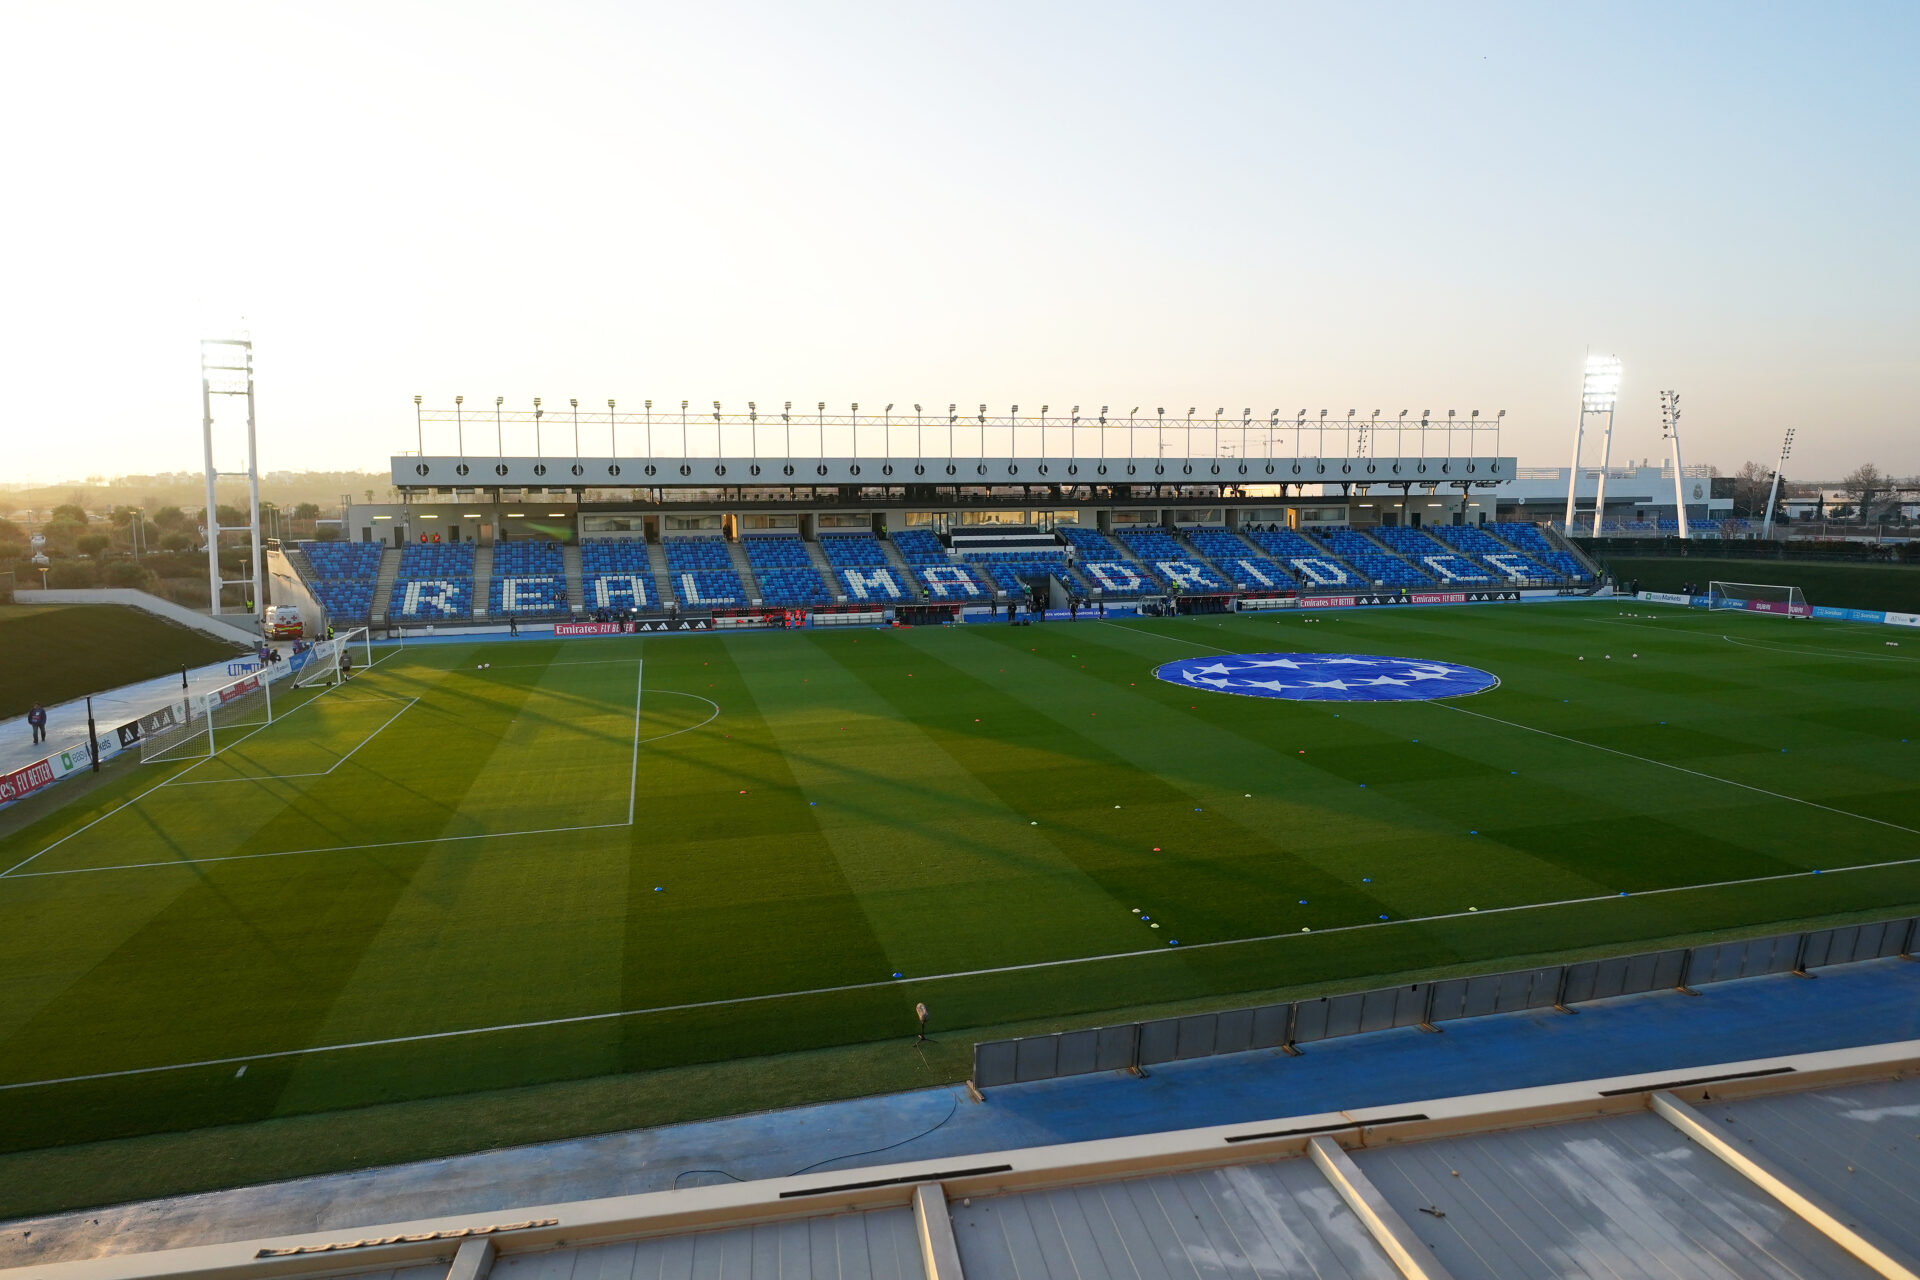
(1327,677)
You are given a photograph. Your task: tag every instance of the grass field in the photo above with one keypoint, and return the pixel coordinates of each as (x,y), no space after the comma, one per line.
(600,857)
(55,651)
(1856,586)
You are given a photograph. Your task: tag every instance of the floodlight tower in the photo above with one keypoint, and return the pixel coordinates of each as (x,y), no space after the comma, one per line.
(226,369)
(1773,494)
(1598,391)
(1670,427)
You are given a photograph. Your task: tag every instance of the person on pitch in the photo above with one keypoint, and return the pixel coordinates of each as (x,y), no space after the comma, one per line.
(37,721)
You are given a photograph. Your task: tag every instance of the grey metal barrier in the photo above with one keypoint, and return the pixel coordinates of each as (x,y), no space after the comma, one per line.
(1132,1045)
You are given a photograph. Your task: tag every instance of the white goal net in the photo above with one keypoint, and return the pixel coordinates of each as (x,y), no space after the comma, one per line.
(334,659)
(1758,597)
(212,720)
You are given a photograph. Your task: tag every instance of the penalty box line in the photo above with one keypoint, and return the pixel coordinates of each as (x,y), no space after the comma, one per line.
(734,1001)
(176,777)
(17,874)
(321,773)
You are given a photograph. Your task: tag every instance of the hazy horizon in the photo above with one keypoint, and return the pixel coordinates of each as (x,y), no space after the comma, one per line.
(1272,206)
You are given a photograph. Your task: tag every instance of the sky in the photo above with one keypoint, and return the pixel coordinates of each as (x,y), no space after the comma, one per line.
(1277,206)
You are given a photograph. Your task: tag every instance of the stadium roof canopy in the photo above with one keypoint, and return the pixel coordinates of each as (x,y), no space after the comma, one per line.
(1784,1167)
(715,448)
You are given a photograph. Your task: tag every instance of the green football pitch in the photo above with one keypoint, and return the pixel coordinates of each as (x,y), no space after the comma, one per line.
(596,857)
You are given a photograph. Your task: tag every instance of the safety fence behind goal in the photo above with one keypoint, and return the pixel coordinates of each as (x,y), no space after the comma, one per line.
(1132,1045)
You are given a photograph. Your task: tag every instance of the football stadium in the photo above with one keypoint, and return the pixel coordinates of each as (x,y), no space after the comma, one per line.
(701,695)
(654,798)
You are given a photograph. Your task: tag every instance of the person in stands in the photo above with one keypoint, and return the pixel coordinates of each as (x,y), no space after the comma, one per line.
(37,720)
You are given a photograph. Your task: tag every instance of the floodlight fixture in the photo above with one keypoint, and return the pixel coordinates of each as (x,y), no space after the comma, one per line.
(574,402)
(1601,386)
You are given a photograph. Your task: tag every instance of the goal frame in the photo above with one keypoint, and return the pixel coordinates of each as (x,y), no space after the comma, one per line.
(323,664)
(1775,599)
(198,736)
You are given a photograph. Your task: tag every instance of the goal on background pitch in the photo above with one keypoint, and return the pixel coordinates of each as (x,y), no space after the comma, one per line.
(1758,597)
(327,660)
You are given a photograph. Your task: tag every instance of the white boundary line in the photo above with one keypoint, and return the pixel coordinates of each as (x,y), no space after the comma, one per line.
(538,1023)
(1822,653)
(281,777)
(1514,724)
(639,686)
(183,773)
(384,844)
(1677,768)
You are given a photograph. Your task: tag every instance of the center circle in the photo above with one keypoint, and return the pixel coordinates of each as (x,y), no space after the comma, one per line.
(1327,677)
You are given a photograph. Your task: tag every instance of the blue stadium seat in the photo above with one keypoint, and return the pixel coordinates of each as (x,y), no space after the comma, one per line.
(873,582)
(1311,564)
(343,577)
(1439,553)
(1235,558)
(947,581)
(1011,572)
(529,580)
(702,572)
(1171,563)
(920,546)
(1117,578)
(615,573)
(852,550)
(1377,566)
(1540,560)
(435,583)
(785,570)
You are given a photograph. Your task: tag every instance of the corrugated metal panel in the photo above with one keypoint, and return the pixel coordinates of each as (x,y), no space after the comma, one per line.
(1262,1221)
(1623,1196)
(846,1246)
(1857,1148)
(431,1271)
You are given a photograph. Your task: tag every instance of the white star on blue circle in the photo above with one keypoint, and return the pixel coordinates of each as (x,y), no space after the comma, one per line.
(1328,677)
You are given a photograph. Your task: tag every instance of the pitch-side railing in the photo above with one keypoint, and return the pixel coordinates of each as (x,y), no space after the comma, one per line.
(1133,1045)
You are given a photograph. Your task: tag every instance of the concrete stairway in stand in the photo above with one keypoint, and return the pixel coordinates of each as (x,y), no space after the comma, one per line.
(744,567)
(662,580)
(482,582)
(383,585)
(576,591)
(909,580)
(824,567)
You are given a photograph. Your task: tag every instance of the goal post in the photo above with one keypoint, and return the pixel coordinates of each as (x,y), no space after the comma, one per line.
(335,658)
(1758,597)
(209,721)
